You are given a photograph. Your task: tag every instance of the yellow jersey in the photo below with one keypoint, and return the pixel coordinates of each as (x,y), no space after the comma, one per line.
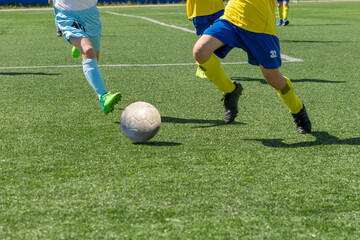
(195,8)
(252,15)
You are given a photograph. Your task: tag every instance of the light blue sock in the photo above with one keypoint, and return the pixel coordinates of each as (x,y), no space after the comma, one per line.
(93,75)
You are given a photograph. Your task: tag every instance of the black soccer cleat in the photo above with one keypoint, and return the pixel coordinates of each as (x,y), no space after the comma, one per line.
(59,34)
(231,103)
(286,22)
(302,121)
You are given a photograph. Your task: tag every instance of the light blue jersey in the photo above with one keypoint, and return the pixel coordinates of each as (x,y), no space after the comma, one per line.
(80,24)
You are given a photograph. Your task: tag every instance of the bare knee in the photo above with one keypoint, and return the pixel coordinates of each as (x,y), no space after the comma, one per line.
(205,47)
(200,54)
(89,52)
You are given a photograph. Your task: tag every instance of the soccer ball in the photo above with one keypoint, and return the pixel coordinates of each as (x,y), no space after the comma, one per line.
(140,121)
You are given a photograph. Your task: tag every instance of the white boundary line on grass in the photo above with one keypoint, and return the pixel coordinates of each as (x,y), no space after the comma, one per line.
(125,65)
(288,58)
(284,57)
(152,20)
(114,65)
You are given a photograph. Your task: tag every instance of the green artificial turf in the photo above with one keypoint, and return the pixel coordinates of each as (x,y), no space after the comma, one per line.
(68,172)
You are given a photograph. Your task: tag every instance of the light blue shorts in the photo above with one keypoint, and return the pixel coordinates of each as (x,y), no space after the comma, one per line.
(201,23)
(80,24)
(261,48)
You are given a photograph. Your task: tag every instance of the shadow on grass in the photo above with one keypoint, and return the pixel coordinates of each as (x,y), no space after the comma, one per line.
(322,139)
(312,41)
(312,25)
(261,80)
(159,144)
(204,123)
(28,73)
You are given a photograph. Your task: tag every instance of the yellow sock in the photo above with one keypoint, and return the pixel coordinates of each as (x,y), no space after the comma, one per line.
(281,12)
(288,96)
(216,74)
(286,12)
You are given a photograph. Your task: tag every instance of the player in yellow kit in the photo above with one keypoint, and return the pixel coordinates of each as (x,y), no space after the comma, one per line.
(203,13)
(283,11)
(249,25)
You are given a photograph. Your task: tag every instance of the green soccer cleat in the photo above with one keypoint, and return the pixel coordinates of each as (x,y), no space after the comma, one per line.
(75,53)
(108,101)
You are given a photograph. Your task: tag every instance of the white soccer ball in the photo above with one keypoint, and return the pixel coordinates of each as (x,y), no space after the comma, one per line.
(140,121)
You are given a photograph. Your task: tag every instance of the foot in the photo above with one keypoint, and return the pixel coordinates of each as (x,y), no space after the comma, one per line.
(286,22)
(75,53)
(59,34)
(200,73)
(302,121)
(281,22)
(231,103)
(109,100)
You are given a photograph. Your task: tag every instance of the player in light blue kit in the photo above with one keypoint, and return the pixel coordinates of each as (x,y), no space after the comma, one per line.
(79,21)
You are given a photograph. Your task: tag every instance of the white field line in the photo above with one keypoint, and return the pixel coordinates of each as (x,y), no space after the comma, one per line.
(288,58)
(152,20)
(123,65)
(285,58)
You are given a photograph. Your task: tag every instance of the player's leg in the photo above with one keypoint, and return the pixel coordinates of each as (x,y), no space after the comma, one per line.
(58,31)
(203,54)
(286,12)
(286,91)
(264,50)
(90,67)
(201,23)
(108,100)
(280,10)
(72,24)
(75,53)
(93,75)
